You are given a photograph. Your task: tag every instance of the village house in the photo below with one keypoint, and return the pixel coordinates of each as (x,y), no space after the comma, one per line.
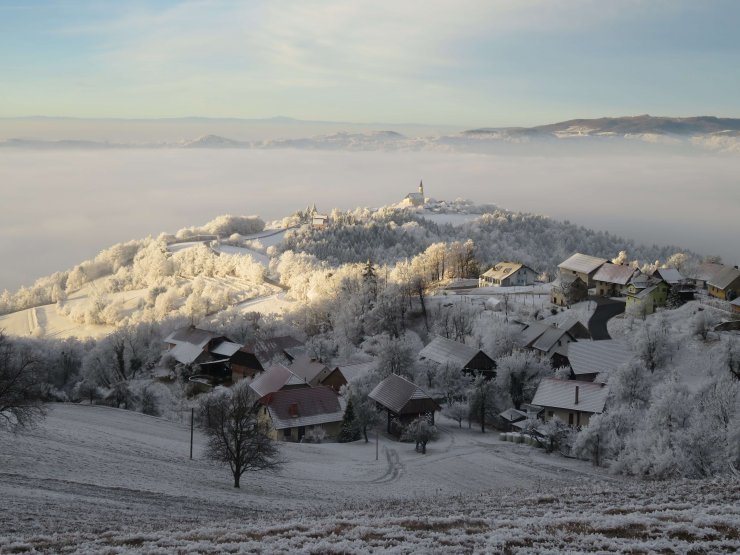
(548,340)
(276,378)
(645,294)
(571,401)
(314,413)
(594,360)
(403,401)
(453,354)
(670,275)
(345,374)
(583,266)
(611,280)
(216,354)
(309,370)
(725,283)
(568,289)
(277,350)
(704,272)
(507,274)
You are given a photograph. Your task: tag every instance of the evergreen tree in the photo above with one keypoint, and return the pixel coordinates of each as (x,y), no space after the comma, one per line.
(350,431)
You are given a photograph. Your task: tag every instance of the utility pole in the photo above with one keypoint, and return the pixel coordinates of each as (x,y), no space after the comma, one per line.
(192,415)
(377,441)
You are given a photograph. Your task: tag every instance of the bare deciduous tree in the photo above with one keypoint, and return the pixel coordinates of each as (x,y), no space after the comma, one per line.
(20,391)
(235,434)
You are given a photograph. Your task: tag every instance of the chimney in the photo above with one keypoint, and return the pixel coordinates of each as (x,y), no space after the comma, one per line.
(576,395)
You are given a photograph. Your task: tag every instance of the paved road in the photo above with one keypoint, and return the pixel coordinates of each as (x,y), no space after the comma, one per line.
(605,310)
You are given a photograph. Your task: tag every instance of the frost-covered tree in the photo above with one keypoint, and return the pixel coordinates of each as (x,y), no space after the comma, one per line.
(519,374)
(20,386)
(457,411)
(421,432)
(236,436)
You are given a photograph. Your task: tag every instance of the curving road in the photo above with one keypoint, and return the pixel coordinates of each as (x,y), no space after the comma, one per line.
(606,309)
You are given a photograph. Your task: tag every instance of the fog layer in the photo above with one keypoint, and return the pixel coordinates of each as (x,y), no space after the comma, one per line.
(58,208)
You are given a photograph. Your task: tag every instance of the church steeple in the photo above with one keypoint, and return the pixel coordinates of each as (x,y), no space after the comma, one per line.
(421,188)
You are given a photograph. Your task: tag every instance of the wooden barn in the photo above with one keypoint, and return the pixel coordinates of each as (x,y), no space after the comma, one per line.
(403,402)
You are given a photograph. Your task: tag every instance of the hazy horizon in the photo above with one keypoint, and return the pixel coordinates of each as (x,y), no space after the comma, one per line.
(63,207)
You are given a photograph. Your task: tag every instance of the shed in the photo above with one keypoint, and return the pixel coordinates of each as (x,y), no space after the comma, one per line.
(403,401)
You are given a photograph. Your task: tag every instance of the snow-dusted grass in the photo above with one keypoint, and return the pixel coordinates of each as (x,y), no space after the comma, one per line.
(95,479)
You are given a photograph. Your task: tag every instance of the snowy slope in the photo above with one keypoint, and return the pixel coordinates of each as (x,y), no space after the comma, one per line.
(95,479)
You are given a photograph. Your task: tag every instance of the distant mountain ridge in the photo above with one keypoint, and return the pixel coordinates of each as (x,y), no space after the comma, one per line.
(698,125)
(707,133)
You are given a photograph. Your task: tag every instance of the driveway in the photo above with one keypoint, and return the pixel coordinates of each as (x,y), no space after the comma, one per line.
(605,310)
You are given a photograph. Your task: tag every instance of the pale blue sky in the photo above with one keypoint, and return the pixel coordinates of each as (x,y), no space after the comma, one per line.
(462,62)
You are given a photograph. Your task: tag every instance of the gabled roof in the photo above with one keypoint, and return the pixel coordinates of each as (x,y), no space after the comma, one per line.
(395,393)
(646,292)
(354,371)
(191,335)
(307,369)
(566,280)
(310,406)
(226,348)
(706,271)
(541,336)
(582,263)
(274,379)
(561,394)
(724,277)
(642,281)
(669,275)
(277,349)
(446,351)
(503,270)
(615,273)
(593,357)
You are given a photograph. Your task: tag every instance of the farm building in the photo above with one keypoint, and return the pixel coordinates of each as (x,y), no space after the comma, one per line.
(507,274)
(347,373)
(453,354)
(568,289)
(589,359)
(704,273)
(571,401)
(670,275)
(277,350)
(309,412)
(403,402)
(725,284)
(274,379)
(583,266)
(550,341)
(612,279)
(309,370)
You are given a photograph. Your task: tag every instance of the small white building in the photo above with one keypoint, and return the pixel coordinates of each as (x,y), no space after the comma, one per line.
(507,274)
(416,199)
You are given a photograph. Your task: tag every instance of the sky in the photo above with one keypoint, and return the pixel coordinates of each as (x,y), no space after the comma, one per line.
(467,62)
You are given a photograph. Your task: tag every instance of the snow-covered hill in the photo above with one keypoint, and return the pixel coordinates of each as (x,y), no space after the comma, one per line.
(95,479)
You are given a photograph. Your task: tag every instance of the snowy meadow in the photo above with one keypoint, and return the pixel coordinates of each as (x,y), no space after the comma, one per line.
(63,206)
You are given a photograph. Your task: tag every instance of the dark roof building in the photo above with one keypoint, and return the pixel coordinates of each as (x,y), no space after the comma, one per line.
(446,352)
(294,412)
(403,401)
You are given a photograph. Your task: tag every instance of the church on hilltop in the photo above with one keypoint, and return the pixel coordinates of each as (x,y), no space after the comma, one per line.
(416,199)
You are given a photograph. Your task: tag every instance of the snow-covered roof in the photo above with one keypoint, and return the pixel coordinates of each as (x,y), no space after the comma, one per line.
(395,392)
(307,369)
(645,293)
(446,351)
(582,263)
(352,372)
(226,348)
(274,379)
(615,273)
(561,394)
(191,335)
(593,357)
(513,415)
(706,271)
(310,406)
(503,270)
(724,277)
(186,353)
(735,302)
(274,349)
(541,336)
(669,275)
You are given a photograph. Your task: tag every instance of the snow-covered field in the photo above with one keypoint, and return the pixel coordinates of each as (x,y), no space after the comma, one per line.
(96,479)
